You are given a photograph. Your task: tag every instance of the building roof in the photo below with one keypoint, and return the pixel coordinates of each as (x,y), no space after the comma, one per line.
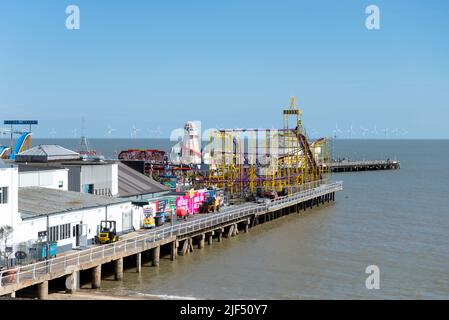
(36,201)
(47,152)
(133,183)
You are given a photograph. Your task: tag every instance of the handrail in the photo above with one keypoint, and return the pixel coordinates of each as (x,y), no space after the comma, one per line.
(60,264)
(361,162)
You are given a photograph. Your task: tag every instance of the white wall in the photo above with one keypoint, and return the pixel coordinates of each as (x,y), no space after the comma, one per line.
(103,177)
(45,178)
(8,211)
(114,178)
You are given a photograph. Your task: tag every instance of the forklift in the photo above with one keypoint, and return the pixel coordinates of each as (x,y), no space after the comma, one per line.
(108,233)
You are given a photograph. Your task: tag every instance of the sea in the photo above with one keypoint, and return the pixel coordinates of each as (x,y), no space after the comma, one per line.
(395,220)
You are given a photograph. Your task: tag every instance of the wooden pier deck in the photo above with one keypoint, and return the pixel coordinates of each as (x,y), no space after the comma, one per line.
(180,238)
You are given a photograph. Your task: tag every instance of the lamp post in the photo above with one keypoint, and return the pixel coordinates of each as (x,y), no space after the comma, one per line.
(47,245)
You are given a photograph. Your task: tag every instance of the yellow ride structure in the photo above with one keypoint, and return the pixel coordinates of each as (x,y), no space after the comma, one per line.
(250,161)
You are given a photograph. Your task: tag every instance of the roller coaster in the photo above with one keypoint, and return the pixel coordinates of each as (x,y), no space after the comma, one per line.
(255,161)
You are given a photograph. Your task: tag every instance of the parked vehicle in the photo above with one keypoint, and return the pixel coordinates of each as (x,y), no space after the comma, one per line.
(108,232)
(211,204)
(148,222)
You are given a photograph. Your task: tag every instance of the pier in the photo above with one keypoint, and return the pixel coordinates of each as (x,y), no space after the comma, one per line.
(180,239)
(350,166)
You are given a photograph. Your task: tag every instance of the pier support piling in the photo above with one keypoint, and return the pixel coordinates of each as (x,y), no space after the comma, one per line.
(118,269)
(230,231)
(174,250)
(42,290)
(201,241)
(139,263)
(209,238)
(156,256)
(71,282)
(219,234)
(236,229)
(185,247)
(96,277)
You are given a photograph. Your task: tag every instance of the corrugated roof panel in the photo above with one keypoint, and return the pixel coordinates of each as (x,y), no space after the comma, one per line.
(47,152)
(37,201)
(132,183)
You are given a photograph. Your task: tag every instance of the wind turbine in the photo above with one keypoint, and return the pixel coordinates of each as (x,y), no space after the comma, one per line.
(336,131)
(134,131)
(75,132)
(351,131)
(110,130)
(395,132)
(158,131)
(364,130)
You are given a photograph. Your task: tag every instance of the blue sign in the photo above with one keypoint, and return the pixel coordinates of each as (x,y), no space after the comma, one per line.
(20,122)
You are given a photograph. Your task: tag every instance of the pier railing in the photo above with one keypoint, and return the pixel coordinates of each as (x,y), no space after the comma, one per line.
(306,195)
(362,163)
(68,262)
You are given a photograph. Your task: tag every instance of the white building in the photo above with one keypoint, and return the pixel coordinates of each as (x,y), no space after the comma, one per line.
(43,176)
(72,219)
(9,184)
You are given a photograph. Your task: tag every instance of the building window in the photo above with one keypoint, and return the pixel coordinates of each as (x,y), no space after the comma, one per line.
(53,233)
(61,184)
(64,231)
(3,195)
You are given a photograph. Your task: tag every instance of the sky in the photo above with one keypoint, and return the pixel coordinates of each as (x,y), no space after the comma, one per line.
(154,65)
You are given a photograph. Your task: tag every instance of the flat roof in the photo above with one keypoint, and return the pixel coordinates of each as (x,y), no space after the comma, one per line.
(37,201)
(33,167)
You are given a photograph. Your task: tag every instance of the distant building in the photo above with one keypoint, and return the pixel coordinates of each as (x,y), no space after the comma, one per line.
(94,176)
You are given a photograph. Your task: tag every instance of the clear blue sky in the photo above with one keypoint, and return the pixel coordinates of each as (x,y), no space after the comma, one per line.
(230,63)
